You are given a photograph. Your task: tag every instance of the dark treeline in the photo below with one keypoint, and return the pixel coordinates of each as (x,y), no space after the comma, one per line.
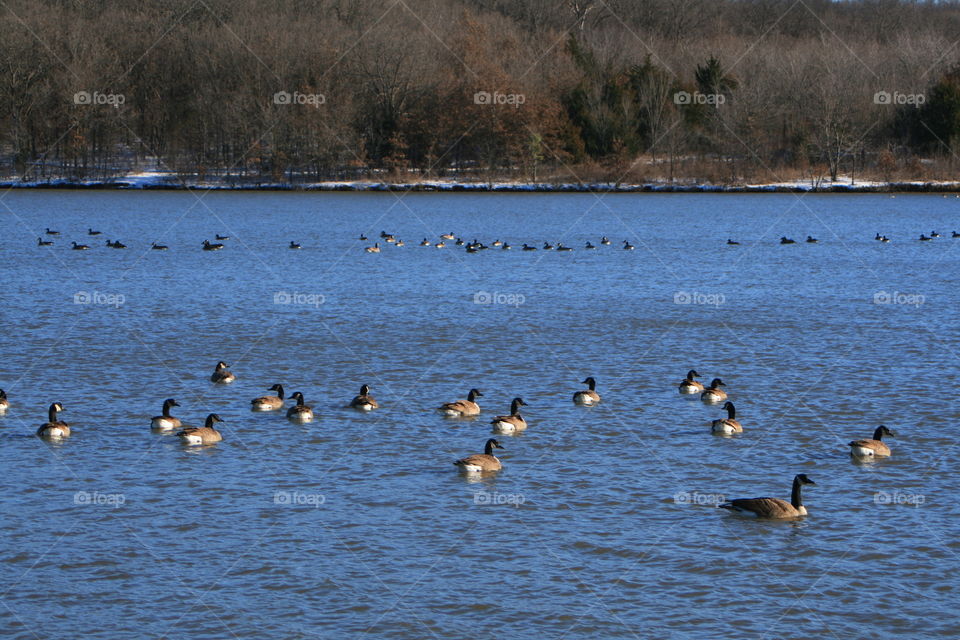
(621,90)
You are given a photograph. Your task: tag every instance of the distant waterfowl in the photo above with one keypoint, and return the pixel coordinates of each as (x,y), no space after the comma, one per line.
(362,238)
(934,234)
(384,234)
(165,421)
(207,246)
(728,425)
(220,237)
(729,241)
(773,507)
(513,422)
(463,408)
(560,247)
(714,393)
(390,239)
(79,247)
(425,243)
(374,249)
(4,403)
(116,244)
(689,385)
(878,236)
(206,434)
(44,243)
(459,242)
(627,246)
(221,375)
(786,240)
(472,248)
(527,247)
(399,243)
(481,462)
(91,232)
(924,238)
(589,396)
(954,234)
(448,236)
(547,246)
(295,245)
(869,448)
(440,245)
(812,240)
(51,232)
(497,243)
(269,403)
(604,240)
(159,247)
(54,428)
(299,412)
(589,245)
(364,401)
(884,239)
(506,247)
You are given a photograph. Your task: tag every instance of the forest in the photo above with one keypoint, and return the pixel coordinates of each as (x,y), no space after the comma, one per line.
(624,91)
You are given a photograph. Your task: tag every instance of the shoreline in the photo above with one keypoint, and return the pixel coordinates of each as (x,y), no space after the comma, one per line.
(155,182)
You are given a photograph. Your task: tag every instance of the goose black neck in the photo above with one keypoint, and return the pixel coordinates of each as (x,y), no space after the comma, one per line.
(300,400)
(280,391)
(592,384)
(471,396)
(52,414)
(796,499)
(166,409)
(515,408)
(731,412)
(210,422)
(488,449)
(878,434)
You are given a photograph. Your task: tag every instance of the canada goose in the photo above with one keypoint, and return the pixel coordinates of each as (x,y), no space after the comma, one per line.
(459,242)
(812,240)
(220,237)
(51,232)
(269,403)
(786,240)
(462,408)
(44,243)
(560,247)
(954,234)
(165,421)
(547,246)
(362,238)
(448,236)
(374,249)
(727,425)
(79,247)
(390,239)
(295,245)
(729,241)
(497,243)
(773,507)
(158,247)
(924,238)
(878,236)
(627,246)
(91,232)
(589,245)
(4,403)
(884,239)
(689,385)
(220,375)
(868,448)
(714,393)
(527,247)
(206,434)
(604,240)
(116,244)
(211,247)
(299,412)
(506,247)
(587,397)
(440,245)
(472,248)
(934,234)
(384,234)
(399,243)
(481,462)
(425,243)
(364,401)
(54,428)
(514,421)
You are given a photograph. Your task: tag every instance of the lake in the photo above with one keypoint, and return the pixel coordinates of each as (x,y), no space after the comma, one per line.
(602,522)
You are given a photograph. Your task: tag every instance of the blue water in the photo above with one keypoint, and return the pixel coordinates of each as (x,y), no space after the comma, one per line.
(601,523)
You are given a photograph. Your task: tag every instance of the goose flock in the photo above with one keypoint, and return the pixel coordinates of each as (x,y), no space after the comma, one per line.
(165,423)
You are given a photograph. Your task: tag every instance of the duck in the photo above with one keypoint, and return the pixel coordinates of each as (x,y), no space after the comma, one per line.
(547,246)
(269,403)
(79,247)
(589,245)
(560,247)
(727,425)
(220,237)
(295,245)
(868,448)
(481,462)
(51,232)
(732,242)
(4,403)
(786,240)
(604,240)
(44,243)
(158,247)
(924,238)
(220,375)
(207,246)
(689,385)
(207,434)
(812,240)
(773,508)
(463,408)
(91,232)
(54,428)
(527,247)
(587,397)
(714,393)
(165,421)
(425,243)
(934,234)
(299,412)
(374,249)
(513,422)
(116,244)
(627,246)
(364,401)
